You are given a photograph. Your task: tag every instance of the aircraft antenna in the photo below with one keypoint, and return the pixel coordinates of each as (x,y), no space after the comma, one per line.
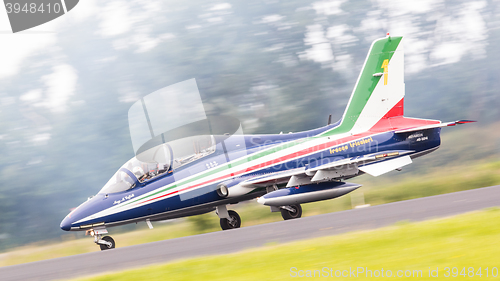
(329,119)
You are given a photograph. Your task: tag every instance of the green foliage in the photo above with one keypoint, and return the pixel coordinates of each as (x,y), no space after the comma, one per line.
(440,181)
(204,223)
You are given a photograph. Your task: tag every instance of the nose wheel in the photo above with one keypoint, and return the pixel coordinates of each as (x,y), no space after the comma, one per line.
(108,243)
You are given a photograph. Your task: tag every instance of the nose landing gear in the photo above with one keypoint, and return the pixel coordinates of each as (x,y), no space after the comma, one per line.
(106,242)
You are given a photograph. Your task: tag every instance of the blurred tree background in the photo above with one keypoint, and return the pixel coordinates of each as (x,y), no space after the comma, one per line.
(276,65)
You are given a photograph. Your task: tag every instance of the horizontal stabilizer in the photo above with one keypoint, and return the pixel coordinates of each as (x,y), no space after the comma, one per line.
(380,168)
(440,125)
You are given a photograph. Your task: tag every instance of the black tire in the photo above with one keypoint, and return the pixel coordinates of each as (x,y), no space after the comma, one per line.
(287,215)
(106,247)
(236,221)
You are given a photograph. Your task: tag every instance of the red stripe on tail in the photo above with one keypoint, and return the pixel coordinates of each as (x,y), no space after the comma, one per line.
(397,110)
(394,120)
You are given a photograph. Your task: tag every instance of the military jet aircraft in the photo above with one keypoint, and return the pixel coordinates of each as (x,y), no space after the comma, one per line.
(208,170)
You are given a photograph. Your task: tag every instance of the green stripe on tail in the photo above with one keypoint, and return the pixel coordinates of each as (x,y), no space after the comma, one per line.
(380,50)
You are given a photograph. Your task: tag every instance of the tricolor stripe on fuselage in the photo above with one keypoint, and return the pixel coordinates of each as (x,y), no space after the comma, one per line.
(258,161)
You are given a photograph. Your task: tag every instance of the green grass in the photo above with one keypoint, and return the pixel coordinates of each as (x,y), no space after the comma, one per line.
(468,240)
(438,181)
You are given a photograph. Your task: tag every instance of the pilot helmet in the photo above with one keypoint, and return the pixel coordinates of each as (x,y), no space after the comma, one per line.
(138,171)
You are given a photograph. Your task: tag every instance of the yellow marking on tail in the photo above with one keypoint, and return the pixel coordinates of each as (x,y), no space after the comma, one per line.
(385,66)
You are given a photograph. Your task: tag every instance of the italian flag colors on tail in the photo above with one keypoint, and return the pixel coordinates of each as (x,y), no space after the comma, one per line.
(379,90)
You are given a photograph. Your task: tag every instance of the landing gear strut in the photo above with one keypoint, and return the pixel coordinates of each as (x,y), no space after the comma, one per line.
(109,243)
(228,219)
(291,212)
(106,242)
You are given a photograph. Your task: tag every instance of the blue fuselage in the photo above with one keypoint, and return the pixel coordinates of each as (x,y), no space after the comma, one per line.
(205,199)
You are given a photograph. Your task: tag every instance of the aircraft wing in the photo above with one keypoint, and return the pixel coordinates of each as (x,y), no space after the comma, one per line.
(446,124)
(273,178)
(374,164)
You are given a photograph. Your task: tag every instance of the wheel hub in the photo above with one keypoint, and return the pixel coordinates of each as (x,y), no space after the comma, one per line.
(233,221)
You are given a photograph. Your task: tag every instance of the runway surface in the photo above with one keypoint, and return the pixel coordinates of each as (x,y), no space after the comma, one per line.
(231,241)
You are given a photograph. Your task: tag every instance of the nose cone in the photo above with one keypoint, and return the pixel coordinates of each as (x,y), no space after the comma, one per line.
(66,224)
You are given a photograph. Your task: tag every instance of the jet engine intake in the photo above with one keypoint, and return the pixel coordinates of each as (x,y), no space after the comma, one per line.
(232,188)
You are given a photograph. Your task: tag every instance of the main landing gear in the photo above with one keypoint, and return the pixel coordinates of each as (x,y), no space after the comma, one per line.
(291,212)
(106,242)
(288,212)
(228,219)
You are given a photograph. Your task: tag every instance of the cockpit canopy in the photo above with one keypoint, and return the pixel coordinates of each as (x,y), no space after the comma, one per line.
(164,158)
(169,129)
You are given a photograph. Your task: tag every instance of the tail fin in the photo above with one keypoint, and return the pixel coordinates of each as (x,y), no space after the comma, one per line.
(380,89)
